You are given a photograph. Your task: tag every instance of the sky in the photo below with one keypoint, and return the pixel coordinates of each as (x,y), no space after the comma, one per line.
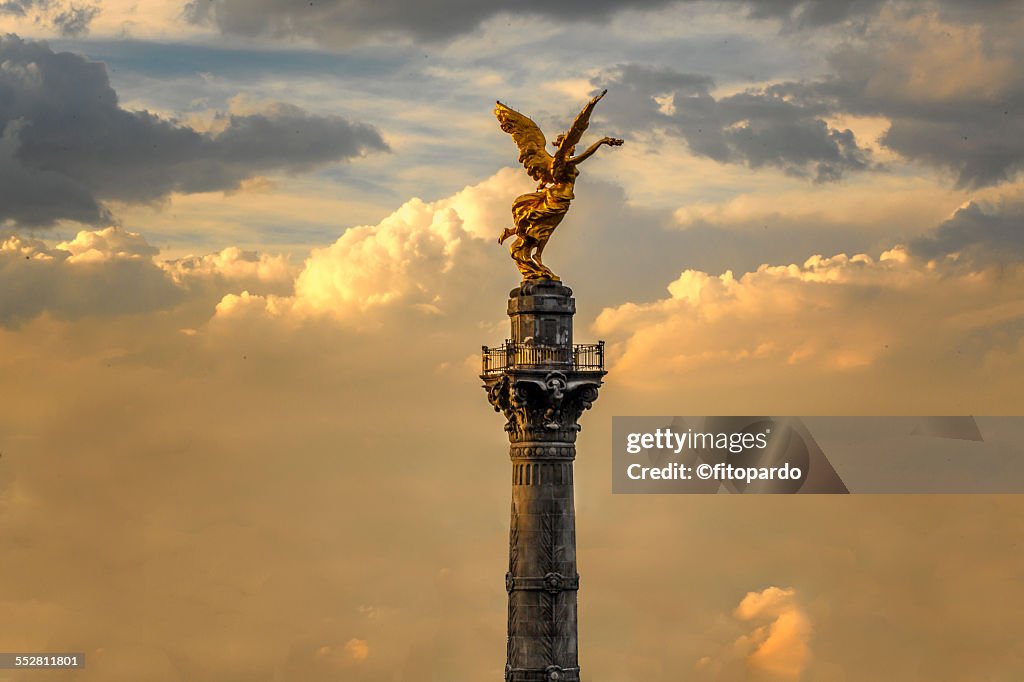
(248,257)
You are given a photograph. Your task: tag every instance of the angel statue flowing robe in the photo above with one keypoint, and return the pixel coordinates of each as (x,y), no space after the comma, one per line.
(537,214)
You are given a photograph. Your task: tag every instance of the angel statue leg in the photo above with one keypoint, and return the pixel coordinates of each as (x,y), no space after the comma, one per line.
(520,251)
(505,234)
(540,264)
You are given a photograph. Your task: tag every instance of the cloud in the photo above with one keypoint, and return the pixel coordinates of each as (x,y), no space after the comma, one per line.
(778,649)
(357,649)
(106,245)
(102,273)
(781,649)
(68,146)
(836,321)
(947,83)
(953,92)
(868,215)
(804,13)
(979,231)
(426,258)
(233,265)
(758,127)
(39,196)
(74,20)
(880,204)
(114,272)
(70,19)
(337,22)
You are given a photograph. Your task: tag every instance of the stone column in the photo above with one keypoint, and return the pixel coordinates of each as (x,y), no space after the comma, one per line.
(542,384)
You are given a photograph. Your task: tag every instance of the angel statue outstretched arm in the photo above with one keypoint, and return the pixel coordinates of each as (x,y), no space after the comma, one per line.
(610,141)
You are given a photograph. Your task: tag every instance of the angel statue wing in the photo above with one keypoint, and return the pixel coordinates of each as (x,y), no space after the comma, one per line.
(530,140)
(575,134)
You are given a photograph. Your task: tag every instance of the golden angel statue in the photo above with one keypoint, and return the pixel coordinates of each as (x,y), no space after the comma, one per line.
(537,214)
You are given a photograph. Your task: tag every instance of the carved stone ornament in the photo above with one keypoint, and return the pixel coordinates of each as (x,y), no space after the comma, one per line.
(550,582)
(555,672)
(553,582)
(534,403)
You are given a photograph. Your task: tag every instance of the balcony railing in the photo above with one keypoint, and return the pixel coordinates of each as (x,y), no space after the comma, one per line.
(582,357)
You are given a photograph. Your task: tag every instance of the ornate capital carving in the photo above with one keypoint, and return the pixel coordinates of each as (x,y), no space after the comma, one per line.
(543,405)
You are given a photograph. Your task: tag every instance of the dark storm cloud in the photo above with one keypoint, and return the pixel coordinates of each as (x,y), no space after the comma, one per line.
(978,233)
(341,21)
(979,143)
(975,129)
(758,127)
(821,13)
(34,196)
(345,21)
(67,144)
(953,95)
(334,21)
(949,77)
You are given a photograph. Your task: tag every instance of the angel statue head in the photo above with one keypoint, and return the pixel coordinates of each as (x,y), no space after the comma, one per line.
(537,214)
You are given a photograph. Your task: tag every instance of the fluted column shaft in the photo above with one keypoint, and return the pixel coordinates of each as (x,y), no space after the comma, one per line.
(542,578)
